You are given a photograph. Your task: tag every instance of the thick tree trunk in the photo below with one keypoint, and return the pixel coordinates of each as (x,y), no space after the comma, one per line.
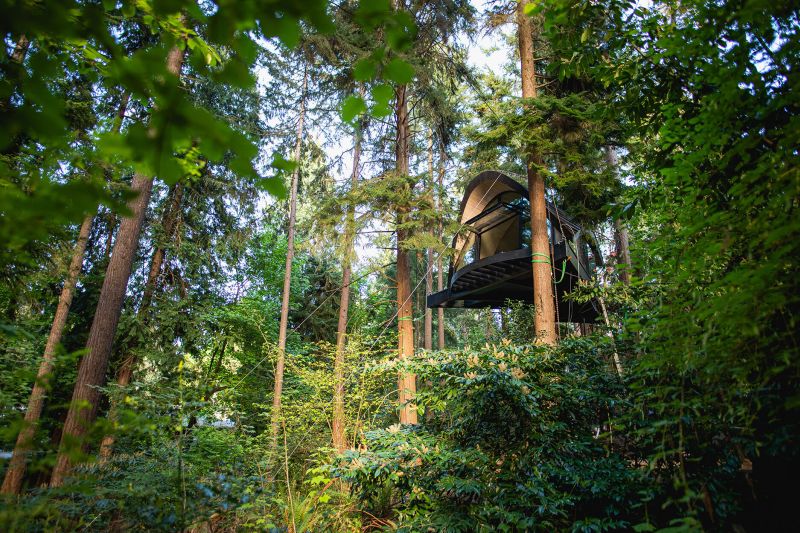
(623,251)
(428,342)
(287,276)
(440,273)
(545,320)
(338,425)
(621,241)
(92,370)
(16,468)
(125,372)
(406,382)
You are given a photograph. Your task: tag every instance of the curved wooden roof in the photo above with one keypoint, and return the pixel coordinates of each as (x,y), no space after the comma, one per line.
(492,280)
(488,184)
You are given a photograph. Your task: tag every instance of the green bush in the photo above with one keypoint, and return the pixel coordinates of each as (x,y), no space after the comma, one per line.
(514,438)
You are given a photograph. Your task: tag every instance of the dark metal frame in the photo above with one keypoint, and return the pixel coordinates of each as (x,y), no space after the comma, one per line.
(490,281)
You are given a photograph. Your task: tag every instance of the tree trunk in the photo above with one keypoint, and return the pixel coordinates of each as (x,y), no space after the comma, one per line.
(406,382)
(440,273)
(622,246)
(623,251)
(545,320)
(16,468)
(92,370)
(287,276)
(428,342)
(338,426)
(112,224)
(169,222)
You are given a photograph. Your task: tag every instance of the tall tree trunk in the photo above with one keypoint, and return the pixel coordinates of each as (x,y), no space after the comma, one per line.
(406,382)
(428,342)
(622,246)
(440,273)
(287,276)
(16,468)
(112,225)
(92,370)
(338,426)
(623,251)
(125,372)
(545,319)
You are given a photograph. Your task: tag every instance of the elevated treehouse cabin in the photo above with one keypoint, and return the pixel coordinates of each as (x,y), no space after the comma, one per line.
(491,262)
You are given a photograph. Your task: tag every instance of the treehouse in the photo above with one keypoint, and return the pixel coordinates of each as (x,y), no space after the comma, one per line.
(491,260)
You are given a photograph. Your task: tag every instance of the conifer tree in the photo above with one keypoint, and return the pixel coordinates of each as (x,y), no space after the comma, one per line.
(287,277)
(125,372)
(92,369)
(541,260)
(338,429)
(15,472)
(439,271)
(16,468)
(406,382)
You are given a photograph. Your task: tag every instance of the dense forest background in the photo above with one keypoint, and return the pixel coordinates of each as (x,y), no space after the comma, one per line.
(219,222)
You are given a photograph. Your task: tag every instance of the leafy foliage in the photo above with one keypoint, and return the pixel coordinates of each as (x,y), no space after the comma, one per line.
(511,441)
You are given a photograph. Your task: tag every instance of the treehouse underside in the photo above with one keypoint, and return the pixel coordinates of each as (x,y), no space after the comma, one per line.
(492,281)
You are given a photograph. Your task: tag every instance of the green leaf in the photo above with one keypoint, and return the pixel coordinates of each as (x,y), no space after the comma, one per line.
(400,31)
(382,93)
(398,71)
(352,107)
(364,69)
(281,163)
(381,96)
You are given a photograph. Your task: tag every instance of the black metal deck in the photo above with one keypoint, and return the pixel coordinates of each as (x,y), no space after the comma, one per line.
(492,281)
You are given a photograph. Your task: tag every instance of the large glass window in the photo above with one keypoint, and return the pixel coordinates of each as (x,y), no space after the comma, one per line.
(503,226)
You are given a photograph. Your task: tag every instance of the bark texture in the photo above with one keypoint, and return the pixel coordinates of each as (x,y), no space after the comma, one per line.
(12,483)
(623,251)
(287,276)
(125,372)
(338,424)
(439,272)
(406,382)
(545,320)
(92,370)
(428,338)
(621,239)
